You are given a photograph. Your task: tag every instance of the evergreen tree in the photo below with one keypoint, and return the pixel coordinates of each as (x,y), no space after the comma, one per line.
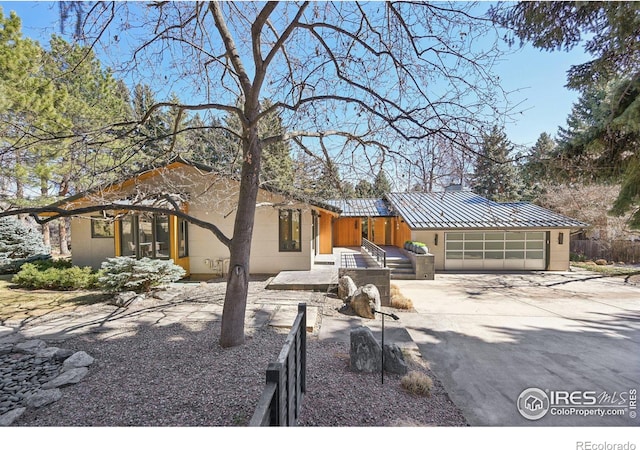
(381,185)
(276,168)
(601,142)
(364,189)
(539,167)
(152,135)
(495,175)
(19,244)
(29,103)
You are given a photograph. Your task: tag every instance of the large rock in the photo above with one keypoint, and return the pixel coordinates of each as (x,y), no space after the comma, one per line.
(366,353)
(44,397)
(7,418)
(32,346)
(394,360)
(364,299)
(78,359)
(126,299)
(71,376)
(346,288)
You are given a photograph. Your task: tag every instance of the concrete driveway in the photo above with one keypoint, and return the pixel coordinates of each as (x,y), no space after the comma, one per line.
(489,337)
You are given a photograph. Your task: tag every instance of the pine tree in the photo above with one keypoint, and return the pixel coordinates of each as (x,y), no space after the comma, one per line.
(495,174)
(364,189)
(381,185)
(19,244)
(539,167)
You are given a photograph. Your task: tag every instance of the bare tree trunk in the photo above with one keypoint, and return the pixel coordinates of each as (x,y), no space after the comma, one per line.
(235,301)
(46,234)
(46,228)
(62,224)
(62,231)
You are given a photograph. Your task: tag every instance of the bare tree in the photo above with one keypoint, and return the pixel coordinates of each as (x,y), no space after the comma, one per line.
(350,80)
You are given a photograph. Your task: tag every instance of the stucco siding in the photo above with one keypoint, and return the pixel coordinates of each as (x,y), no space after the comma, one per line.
(559,253)
(88,251)
(428,238)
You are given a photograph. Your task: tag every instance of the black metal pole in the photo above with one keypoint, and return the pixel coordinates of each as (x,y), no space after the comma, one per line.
(394,317)
(382,369)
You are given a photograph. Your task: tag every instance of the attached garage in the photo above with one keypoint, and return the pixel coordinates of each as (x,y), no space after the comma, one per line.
(465,231)
(496,250)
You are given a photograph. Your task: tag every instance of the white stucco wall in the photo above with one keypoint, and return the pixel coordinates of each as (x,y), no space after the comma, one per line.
(206,252)
(213,201)
(88,251)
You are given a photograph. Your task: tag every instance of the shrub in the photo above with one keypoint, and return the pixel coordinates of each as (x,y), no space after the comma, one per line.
(417,383)
(401,302)
(55,275)
(398,300)
(416,247)
(19,244)
(139,275)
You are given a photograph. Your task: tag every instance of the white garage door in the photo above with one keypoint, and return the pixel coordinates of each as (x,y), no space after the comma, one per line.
(495,250)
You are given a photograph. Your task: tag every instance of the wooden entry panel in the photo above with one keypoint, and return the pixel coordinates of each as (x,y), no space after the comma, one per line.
(347,232)
(325,232)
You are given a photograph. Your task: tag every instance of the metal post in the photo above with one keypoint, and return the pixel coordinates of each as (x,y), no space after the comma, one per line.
(394,317)
(382,368)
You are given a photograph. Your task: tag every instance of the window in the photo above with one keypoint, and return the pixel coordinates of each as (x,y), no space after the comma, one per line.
(145,235)
(183,238)
(290,231)
(101,228)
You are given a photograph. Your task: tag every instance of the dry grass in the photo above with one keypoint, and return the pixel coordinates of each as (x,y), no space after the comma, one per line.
(417,383)
(18,304)
(398,300)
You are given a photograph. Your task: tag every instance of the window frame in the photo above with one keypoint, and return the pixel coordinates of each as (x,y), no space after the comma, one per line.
(183,228)
(135,219)
(98,235)
(289,223)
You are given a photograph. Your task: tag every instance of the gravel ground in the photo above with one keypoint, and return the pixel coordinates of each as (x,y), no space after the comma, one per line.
(177,375)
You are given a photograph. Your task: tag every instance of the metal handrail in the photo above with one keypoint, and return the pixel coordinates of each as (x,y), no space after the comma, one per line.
(376,252)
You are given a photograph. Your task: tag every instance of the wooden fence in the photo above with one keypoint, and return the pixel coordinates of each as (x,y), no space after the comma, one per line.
(281,399)
(616,251)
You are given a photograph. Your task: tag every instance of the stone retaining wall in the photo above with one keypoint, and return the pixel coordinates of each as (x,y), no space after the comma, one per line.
(423,265)
(378,276)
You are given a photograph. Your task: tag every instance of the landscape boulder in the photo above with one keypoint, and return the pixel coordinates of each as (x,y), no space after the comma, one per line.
(364,299)
(365,352)
(346,288)
(394,360)
(126,298)
(78,359)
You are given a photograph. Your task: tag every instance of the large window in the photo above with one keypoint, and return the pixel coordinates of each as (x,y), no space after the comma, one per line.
(145,235)
(183,238)
(290,230)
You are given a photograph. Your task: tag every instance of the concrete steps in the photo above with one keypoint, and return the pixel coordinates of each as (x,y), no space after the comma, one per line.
(401,269)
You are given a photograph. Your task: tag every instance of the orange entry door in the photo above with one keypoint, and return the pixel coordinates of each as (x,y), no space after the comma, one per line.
(347,232)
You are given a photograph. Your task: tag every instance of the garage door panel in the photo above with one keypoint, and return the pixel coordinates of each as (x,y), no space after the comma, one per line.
(508,250)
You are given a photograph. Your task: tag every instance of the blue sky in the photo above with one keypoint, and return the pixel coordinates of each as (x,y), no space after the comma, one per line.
(537,77)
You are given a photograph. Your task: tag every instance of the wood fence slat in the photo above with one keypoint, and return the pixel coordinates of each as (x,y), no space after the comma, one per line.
(281,401)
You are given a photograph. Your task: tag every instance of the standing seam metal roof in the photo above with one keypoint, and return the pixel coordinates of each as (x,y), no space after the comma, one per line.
(362,207)
(468,210)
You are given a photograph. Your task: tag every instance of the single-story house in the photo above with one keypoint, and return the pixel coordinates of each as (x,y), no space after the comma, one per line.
(463,230)
(285,231)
